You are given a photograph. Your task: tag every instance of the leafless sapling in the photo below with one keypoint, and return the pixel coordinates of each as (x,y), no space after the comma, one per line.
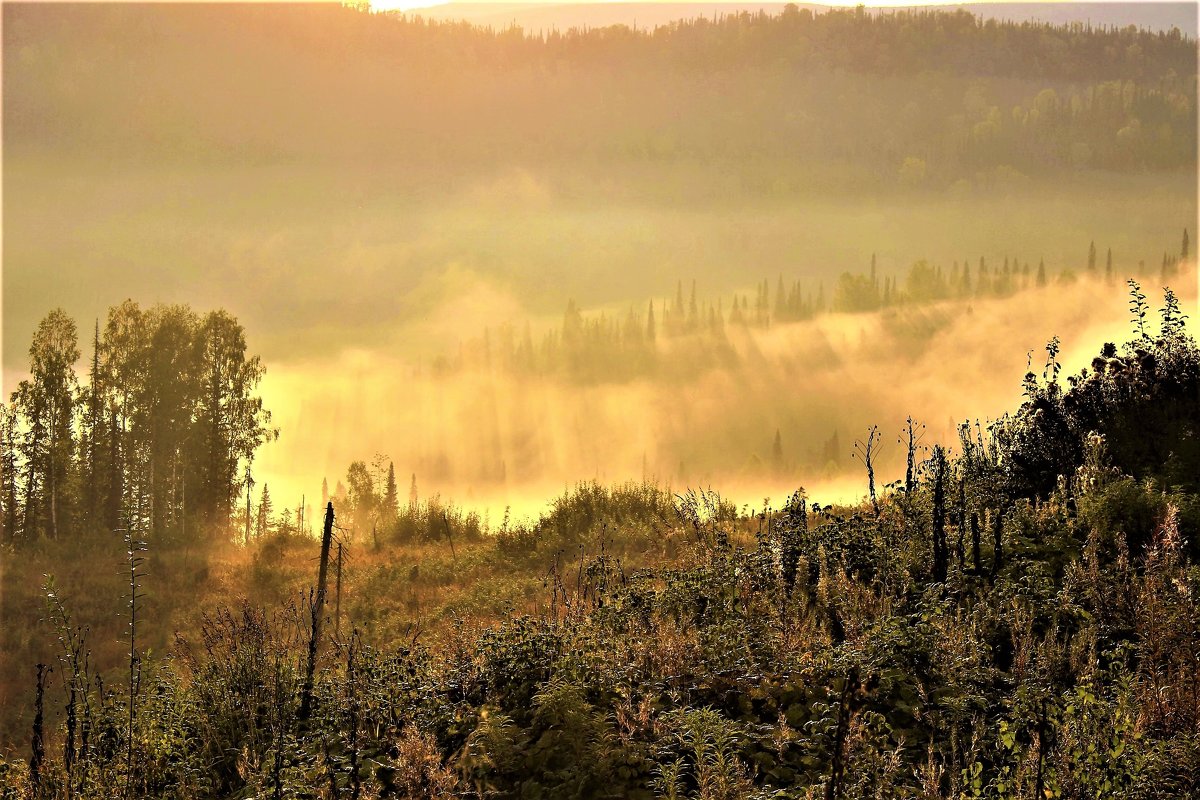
(867,451)
(911,441)
(134,549)
(73,659)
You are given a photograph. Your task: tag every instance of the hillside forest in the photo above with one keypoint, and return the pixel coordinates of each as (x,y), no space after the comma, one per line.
(757,406)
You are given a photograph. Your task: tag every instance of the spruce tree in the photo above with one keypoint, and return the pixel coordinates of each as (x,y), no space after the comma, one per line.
(391,501)
(262,523)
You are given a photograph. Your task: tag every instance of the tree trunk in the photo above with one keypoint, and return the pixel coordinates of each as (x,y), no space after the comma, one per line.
(337,613)
(318,607)
(38,743)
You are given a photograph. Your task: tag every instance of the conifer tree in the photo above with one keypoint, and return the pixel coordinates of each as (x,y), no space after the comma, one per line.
(391,500)
(262,522)
(230,421)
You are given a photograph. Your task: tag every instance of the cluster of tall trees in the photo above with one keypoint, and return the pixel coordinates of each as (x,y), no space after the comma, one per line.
(927,282)
(693,330)
(158,441)
(368,502)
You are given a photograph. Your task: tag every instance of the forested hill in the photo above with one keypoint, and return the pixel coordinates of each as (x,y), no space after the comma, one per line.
(266,82)
(546,16)
(231,155)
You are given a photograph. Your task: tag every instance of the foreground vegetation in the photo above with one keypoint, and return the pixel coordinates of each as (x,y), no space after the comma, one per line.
(1017,618)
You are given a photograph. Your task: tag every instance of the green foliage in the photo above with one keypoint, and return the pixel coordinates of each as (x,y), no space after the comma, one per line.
(650,645)
(1142,401)
(1109,98)
(156,443)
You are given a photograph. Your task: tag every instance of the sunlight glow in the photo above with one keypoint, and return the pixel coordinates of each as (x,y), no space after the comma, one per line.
(404,5)
(409,5)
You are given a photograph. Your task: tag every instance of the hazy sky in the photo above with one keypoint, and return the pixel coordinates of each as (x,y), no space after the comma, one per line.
(406,4)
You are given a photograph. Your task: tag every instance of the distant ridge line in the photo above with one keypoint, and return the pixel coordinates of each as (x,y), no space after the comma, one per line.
(1152,16)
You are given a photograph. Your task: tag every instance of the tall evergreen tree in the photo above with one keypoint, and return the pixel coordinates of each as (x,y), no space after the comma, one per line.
(230,421)
(391,498)
(262,521)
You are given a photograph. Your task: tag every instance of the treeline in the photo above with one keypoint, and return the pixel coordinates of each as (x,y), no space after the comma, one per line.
(857,40)
(158,441)
(689,331)
(1016,618)
(1111,98)
(940,97)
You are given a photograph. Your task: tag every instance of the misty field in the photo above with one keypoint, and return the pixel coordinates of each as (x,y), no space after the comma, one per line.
(757,404)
